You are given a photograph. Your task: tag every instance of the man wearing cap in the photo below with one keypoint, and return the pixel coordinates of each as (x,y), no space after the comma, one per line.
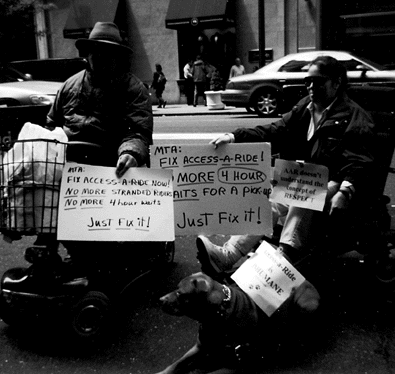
(105,103)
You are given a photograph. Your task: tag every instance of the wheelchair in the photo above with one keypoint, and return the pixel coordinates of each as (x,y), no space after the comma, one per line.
(366,240)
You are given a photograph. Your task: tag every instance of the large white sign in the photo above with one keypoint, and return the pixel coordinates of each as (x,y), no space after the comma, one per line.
(95,205)
(219,191)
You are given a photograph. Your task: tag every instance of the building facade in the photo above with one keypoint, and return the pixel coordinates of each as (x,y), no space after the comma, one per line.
(170,32)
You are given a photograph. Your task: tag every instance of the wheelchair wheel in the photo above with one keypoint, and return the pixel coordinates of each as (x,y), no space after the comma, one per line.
(90,316)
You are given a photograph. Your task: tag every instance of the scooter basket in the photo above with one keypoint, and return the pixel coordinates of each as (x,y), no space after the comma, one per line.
(30,174)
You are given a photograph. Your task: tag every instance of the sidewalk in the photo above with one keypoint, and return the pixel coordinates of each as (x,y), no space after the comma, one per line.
(190,110)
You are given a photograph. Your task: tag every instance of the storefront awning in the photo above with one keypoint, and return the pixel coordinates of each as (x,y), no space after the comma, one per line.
(85,13)
(203,13)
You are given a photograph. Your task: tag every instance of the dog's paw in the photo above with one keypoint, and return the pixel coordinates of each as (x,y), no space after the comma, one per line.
(306,297)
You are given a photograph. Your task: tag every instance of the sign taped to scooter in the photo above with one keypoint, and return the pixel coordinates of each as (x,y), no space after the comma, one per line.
(95,205)
(268,278)
(300,184)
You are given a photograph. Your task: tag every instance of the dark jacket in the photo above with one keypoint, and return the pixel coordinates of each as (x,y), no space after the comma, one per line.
(159,81)
(118,118)
(343,141)
(199,71)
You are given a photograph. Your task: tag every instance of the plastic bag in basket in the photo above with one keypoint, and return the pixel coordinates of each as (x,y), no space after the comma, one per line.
(31,173)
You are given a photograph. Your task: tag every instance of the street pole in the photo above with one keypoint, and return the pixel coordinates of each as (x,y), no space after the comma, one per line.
(262,47)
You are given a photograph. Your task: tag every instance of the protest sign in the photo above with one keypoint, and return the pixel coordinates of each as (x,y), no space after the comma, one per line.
(219,191)
(268,278)
(300,184)
(96,205)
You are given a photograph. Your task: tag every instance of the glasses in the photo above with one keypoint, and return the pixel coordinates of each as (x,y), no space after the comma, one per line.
(317,81)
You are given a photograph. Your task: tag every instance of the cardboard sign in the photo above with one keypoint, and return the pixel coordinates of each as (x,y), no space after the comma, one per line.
(95,205)
(219,191)
(300,184)
(268,278)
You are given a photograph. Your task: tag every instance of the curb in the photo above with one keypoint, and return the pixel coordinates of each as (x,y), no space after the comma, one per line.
(192,112)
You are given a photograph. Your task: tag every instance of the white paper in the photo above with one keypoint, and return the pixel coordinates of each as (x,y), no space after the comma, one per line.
(268,278)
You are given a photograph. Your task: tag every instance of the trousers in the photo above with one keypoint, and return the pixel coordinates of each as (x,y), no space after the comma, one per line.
(301,228)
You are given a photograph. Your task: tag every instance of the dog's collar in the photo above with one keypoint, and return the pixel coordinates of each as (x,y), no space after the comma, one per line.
(228,294)
(225,302)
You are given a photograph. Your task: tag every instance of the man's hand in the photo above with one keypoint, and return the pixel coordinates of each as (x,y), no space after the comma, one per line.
(338,204)
(222,139)
(125,162)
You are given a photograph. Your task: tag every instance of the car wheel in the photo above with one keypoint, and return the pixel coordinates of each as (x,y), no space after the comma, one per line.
(8,314)
(90,316)
(266,102)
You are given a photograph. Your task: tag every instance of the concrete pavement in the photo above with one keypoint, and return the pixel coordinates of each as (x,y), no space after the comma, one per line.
(190,110)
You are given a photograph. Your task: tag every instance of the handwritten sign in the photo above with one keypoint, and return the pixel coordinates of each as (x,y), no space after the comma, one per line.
(219,191)
(95,205)
(268,278)
(300,184)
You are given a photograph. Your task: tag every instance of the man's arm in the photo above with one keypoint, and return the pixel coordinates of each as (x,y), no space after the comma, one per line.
(139,124)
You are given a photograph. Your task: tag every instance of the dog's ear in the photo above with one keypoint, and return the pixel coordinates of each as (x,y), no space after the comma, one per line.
(201,285)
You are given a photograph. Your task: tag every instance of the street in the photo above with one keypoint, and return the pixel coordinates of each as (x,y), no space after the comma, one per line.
(357,336)
(358,339)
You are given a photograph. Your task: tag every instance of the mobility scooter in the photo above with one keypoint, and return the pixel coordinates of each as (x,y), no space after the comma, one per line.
(81,288)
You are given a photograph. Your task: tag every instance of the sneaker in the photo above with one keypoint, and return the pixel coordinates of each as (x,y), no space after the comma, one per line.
(213,258)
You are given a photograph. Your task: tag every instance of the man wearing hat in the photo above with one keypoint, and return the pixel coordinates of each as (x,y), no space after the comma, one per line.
(105,103)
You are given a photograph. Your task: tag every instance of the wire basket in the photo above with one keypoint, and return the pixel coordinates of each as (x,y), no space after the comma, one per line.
(30,174)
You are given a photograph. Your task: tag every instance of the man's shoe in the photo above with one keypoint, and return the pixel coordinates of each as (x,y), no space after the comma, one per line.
(164,104)
(213,258)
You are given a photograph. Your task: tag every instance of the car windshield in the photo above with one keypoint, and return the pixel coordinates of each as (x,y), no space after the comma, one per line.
(301,65)
(9,74)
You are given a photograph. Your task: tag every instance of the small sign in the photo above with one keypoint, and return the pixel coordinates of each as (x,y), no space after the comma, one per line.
(253,55)
(300,184)
(268,278)
(96,205)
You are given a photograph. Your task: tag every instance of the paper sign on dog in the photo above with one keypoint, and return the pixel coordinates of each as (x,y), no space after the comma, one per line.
(268,278)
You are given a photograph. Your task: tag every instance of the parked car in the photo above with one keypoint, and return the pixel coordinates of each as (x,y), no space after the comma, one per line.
(274,88)
(17,88)
(22,99)
(51,69)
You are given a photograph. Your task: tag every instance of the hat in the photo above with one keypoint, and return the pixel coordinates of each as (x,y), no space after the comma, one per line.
(103,34)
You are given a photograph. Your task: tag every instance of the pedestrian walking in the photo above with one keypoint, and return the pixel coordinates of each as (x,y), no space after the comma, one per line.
(199,78)
(158,84)
(189,85)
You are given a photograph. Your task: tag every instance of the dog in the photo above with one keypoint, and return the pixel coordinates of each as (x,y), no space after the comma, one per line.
(234,332)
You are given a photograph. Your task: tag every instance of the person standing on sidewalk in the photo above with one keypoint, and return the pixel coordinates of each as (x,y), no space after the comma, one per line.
(158,84)
(189,86)
(199,78)
(237,69)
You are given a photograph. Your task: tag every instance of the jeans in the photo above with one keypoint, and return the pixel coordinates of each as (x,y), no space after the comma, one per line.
(301,228)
